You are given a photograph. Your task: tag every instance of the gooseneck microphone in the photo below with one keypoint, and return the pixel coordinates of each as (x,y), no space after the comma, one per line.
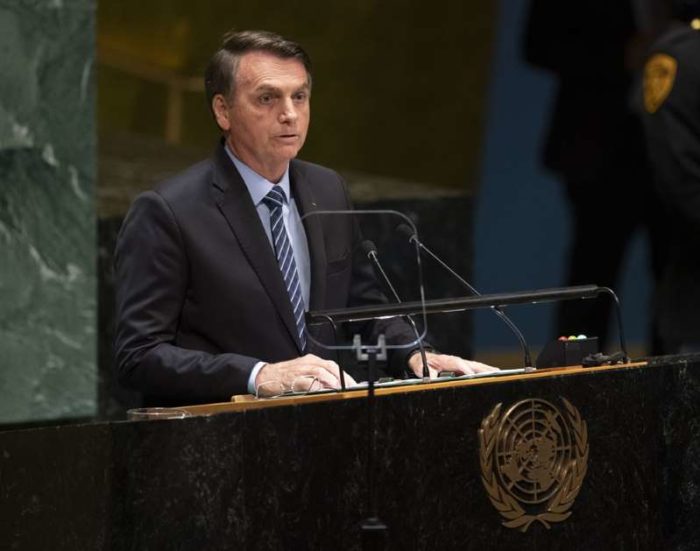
(407,232)
(369,248)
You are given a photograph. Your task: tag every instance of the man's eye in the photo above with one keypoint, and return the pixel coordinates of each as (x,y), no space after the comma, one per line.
(265,98)
(301,96)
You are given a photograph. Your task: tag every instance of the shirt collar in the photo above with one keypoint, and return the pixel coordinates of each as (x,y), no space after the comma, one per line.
(257,185)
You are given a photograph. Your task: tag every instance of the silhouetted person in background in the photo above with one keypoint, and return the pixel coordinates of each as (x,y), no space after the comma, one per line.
(671,116)
(594,144)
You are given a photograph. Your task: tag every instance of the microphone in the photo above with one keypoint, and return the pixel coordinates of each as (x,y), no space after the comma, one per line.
(370,250)
(407,232)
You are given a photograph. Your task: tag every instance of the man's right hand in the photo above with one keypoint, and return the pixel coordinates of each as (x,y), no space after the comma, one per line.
(299,375)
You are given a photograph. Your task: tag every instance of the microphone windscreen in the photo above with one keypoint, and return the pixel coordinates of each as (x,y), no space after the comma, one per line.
(406,231)
(368,247)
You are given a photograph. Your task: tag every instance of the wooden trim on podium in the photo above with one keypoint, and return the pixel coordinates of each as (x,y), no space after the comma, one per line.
(246,402)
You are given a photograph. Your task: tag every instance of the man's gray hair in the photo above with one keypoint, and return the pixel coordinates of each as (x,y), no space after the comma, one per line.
(220,75)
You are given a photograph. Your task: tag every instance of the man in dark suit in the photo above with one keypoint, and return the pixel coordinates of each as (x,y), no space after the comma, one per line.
(217,265)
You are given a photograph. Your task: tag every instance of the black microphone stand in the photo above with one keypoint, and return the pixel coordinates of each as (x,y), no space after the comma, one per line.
(371,251)
(374,531)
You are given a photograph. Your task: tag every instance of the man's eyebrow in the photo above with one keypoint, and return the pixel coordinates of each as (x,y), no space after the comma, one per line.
(267,88)
(272,88)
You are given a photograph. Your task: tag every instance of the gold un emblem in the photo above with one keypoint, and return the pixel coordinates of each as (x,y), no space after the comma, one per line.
(533,461)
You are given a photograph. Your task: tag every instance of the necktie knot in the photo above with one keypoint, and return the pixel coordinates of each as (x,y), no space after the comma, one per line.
(275,198)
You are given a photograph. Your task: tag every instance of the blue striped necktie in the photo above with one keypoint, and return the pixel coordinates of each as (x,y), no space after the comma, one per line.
(274,201)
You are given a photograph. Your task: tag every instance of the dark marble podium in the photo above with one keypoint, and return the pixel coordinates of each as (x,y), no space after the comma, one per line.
(293,476)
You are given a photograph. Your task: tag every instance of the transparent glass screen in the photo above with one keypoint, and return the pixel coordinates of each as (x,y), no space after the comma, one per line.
(363,264)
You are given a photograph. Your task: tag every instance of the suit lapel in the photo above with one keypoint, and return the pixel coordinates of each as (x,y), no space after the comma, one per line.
(302,192)
(235,204)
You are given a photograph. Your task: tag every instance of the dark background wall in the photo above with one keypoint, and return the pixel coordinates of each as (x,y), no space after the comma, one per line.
(399,87)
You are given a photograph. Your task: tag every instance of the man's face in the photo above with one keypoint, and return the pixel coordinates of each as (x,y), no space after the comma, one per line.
(266,121)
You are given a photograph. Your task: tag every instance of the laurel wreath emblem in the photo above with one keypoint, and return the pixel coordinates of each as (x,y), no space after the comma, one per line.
(557,507)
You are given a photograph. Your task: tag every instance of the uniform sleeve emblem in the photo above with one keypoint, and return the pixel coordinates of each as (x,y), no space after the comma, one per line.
(659,75)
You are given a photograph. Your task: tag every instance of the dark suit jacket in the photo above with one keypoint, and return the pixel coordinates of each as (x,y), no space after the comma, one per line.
(673,137)
(200,298)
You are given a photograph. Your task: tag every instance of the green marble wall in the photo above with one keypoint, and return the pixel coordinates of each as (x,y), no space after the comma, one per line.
(47,226)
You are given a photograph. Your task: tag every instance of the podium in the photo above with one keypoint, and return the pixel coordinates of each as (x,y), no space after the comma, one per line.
(289,473)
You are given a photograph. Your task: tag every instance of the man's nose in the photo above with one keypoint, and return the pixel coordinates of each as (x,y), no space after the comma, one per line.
(288,112)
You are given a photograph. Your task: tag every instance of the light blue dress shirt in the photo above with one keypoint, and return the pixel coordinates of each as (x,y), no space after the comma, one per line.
(259,187)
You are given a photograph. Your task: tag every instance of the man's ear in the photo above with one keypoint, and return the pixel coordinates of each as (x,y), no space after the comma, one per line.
(220,108)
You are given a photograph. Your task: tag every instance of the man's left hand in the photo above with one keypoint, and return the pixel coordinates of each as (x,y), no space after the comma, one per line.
(445,362)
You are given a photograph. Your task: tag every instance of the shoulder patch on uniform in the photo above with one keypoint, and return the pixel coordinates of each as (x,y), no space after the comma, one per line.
(659,75)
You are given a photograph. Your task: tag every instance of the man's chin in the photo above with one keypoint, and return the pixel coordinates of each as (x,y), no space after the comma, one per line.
(288,153)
